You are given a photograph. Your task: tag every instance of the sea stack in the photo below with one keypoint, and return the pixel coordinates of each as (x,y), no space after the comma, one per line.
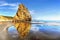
(22,13)
(22,21)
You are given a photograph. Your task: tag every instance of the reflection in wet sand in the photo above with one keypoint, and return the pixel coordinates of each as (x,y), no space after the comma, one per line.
(23,29)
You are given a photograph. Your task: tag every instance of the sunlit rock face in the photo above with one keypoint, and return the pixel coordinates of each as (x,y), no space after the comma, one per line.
(22,21)
(22,14)
(6,18)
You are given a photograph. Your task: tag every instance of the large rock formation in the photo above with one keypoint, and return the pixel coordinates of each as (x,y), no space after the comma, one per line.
(22,14)
(22,21)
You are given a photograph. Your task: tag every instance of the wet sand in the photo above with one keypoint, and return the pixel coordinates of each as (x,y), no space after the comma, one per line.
(33,35)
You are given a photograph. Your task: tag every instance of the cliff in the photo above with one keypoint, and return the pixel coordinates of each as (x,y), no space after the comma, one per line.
(5,18)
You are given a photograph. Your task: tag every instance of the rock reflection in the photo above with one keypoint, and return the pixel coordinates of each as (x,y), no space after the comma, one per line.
(23,29)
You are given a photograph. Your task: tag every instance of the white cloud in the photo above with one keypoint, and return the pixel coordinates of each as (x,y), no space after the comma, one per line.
(37,16)
(32,11)
(8,4)
(13,8)
(4,3)
(12,5)
(16,7)
(48,17)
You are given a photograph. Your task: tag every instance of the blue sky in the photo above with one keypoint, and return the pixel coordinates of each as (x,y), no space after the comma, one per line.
(39,9)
